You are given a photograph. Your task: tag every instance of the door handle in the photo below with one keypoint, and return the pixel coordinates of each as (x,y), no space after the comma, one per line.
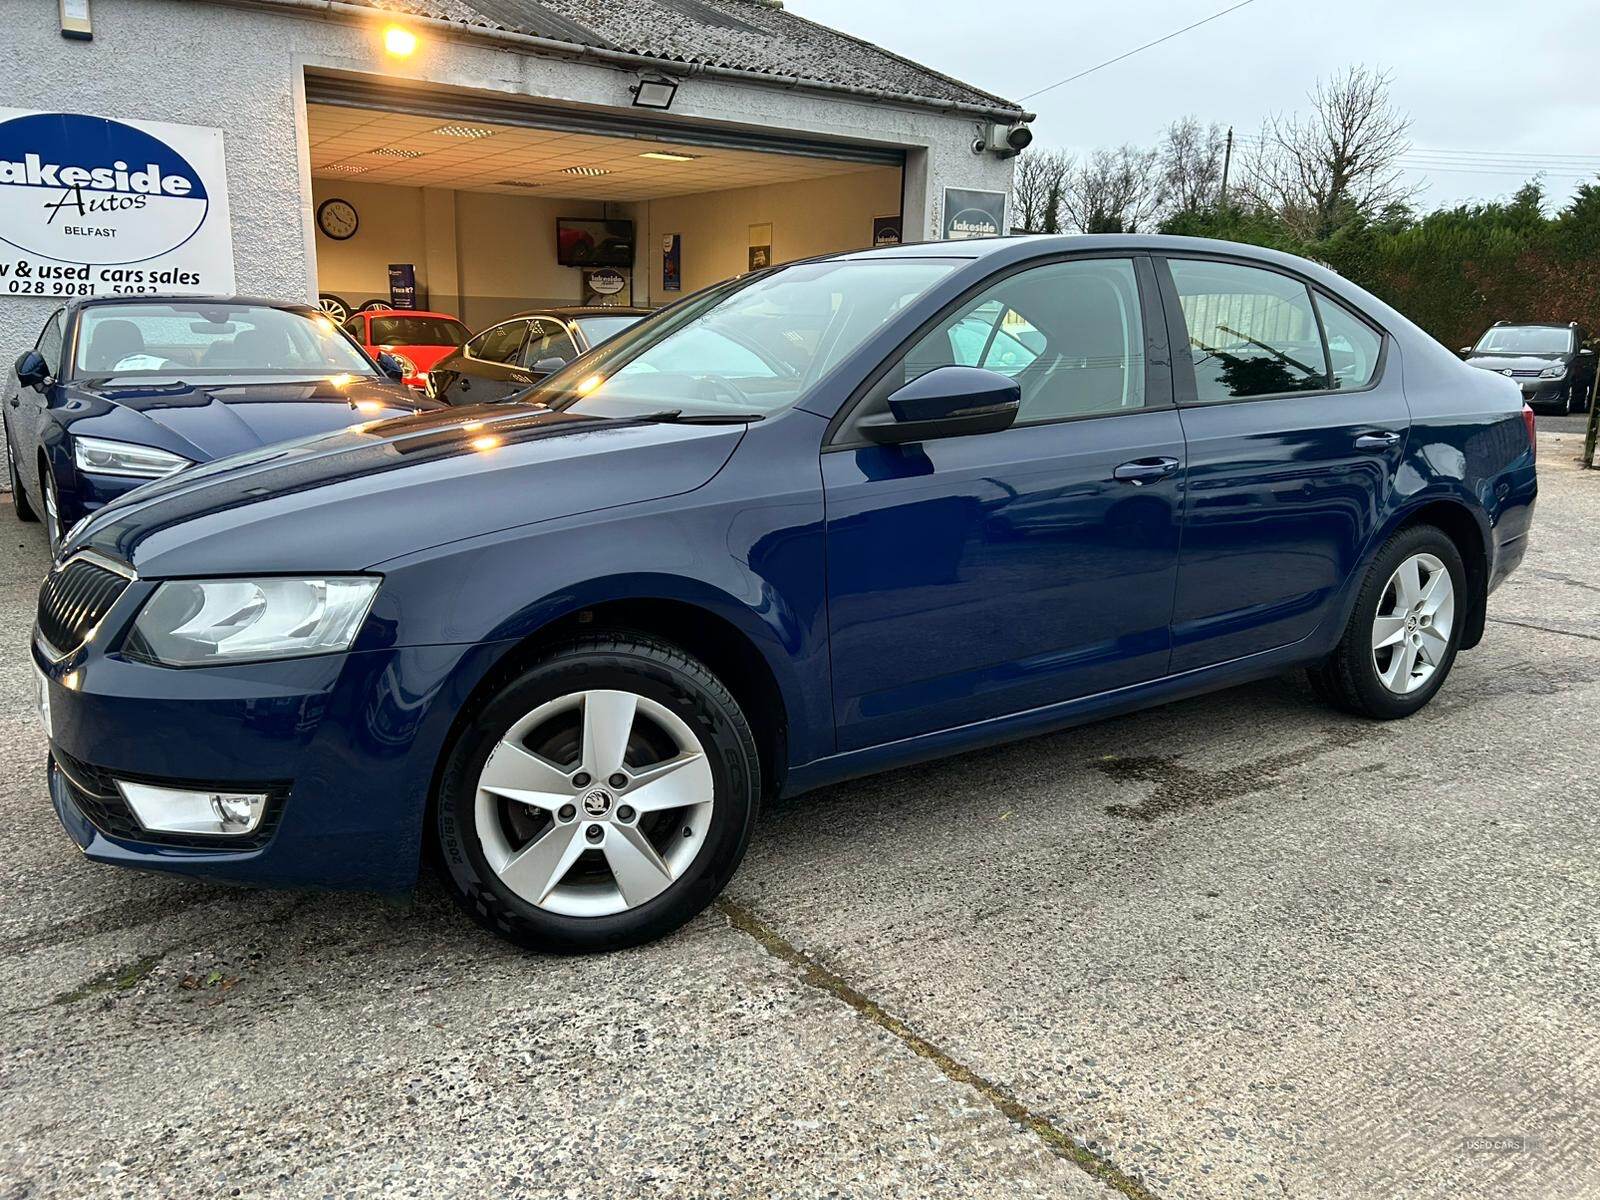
(16,402)
(1145,470)
(1381,440)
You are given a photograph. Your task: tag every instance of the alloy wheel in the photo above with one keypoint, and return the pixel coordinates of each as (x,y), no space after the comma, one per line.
(1411,632)
(52,511)
(594,803)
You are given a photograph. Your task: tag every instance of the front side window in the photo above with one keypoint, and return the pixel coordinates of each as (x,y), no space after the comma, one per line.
(500,344)
(211,337)
(1353,345)
(1069,333)
(754,346)
(549,339)
(1251,332)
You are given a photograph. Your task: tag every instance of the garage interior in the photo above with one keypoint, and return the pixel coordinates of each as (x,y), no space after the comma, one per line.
(472,204)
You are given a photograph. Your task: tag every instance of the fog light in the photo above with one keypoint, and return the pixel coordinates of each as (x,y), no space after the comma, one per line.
(172,810)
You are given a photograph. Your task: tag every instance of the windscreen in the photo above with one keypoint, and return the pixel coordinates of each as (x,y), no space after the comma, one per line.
(755,346)
(418,331)
(600,329)
(1526,339)
(218,338)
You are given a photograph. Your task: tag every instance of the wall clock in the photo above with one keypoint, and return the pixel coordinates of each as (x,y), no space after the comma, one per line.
(337,219)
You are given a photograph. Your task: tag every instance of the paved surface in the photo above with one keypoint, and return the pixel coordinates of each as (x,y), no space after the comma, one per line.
(1551,423)
(1238,946)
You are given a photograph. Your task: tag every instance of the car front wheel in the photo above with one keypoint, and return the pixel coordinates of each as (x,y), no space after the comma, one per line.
(1404,632)
(19,498)
(601,798)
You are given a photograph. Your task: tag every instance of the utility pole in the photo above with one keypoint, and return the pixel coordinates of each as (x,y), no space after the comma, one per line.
(1227,162)
(1594,421)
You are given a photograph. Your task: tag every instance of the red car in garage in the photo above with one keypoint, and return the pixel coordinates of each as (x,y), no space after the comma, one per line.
(418,339)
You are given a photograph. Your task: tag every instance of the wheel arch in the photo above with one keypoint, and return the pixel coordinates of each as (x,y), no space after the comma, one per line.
(1457,521)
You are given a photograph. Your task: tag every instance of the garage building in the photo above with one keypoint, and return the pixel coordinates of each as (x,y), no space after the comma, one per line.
(426,151)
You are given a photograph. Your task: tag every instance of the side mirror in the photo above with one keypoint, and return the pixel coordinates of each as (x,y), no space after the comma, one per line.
(1465,350)
(548,366)
(1586,352)
(32,370)
(947,402)
(390,366)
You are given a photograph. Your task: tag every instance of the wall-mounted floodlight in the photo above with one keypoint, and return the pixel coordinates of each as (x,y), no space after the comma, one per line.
(654,91)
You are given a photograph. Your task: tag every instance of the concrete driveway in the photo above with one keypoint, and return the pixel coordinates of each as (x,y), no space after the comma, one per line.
(1239,946)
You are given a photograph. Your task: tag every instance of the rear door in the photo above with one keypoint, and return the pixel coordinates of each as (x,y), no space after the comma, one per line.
(974,577)
(1295,423)
(489,367)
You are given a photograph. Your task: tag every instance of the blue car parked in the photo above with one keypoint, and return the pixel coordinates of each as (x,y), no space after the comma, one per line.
(119,390)
(824,520)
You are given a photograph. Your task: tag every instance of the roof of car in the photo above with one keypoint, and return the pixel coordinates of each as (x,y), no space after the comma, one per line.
(406,312)
(185,298)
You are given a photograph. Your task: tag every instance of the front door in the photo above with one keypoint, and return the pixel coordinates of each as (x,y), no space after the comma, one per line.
(972,577)
(491,367)
(1295,430)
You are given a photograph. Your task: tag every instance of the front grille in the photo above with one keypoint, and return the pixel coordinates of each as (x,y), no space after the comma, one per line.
(75,598)
(1526,372)
(98,799)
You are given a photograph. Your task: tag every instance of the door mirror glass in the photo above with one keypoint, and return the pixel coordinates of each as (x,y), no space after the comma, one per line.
(947,402)
(32,370)
(391,366)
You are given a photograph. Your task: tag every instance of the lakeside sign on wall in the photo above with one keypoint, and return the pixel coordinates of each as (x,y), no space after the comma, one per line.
(91,207)
(973,214)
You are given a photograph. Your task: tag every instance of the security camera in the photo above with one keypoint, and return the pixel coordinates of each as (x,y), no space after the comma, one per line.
(1006,141)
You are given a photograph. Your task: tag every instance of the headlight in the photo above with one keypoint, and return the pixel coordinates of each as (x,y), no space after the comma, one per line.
(1555,372)
(192,622)
(104,457)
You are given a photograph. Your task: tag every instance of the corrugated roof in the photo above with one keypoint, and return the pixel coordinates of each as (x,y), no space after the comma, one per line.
(746,35)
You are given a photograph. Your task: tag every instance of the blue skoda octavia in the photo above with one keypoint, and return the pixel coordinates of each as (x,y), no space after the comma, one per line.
(819,521)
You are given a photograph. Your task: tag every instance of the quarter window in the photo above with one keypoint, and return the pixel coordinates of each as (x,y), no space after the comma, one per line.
(1353,345)
(1069,333)
(1251,332)
(500,344)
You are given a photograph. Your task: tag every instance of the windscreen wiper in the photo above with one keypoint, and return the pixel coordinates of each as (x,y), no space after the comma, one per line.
(676,416)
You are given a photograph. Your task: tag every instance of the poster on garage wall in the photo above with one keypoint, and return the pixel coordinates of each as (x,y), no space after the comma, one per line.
(672,262)
(973,214)
(92,206)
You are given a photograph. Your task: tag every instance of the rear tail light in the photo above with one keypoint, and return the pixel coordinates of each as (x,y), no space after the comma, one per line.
(1533,440)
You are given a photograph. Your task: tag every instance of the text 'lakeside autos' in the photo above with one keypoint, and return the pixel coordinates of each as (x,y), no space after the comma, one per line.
(571,646)
(120,390)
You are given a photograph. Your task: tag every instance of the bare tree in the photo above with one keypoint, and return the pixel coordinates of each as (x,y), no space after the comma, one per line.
(1114,191)
(1340,160)
(1191,165)
(1038,189)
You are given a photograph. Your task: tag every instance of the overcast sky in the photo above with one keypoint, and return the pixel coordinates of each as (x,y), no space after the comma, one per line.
(1496,89)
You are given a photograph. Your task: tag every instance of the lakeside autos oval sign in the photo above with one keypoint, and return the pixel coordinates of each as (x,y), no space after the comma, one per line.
(90,206)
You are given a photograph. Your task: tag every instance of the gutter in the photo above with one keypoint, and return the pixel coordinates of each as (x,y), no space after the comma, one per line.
(364,14)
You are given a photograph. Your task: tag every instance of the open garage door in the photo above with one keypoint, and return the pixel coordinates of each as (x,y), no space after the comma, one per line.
(490,206)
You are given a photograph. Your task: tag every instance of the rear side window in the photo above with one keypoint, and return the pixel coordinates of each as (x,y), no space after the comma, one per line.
(1353,345)
(1251,332)
(549,340)
(499,344)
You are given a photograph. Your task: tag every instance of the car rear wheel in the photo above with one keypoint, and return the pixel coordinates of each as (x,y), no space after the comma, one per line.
(19,498)
(601,798)
(1405,630)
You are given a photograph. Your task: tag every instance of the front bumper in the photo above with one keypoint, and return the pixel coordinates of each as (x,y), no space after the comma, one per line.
(1537,392)
(348,744)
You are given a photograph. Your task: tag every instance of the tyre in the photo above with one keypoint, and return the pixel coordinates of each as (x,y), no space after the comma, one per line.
(1404,632)
(1569,402)
(19,498)
(52,508)
(600,798)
